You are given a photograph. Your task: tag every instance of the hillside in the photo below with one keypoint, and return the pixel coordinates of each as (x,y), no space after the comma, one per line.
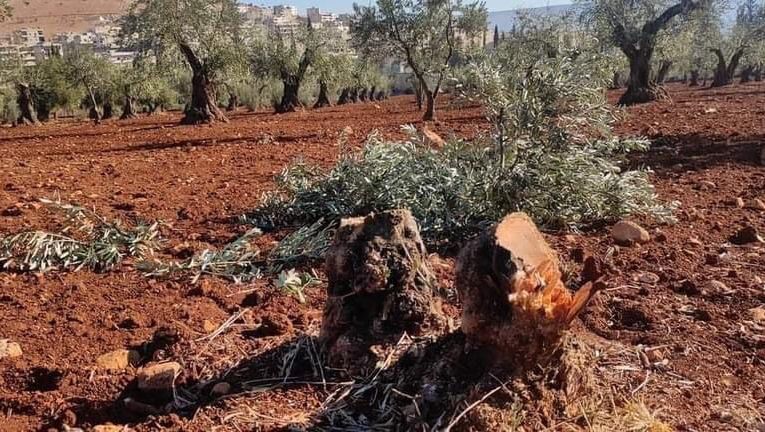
(60,15)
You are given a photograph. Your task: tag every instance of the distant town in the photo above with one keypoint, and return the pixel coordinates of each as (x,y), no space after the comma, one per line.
(32,44)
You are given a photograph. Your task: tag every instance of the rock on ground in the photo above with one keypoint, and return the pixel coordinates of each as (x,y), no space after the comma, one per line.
(628,232)
(158,377)
(118,360)
(9,349)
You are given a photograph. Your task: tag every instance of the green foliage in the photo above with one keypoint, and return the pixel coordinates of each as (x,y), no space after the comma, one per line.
(212,29)
(294,283)
(5,10)
(85,241)
(239,261)
(9,111)
(459,190)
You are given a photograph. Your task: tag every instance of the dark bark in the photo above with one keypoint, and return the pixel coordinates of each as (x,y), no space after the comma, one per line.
(639,86)
(203,107)
(290,100)
(108,111)
(373,93)
(430,108)
(661,75)
(233,102)
(616,81)
(757,74)
(323,99)
(354,95)
(694,78)
(639,50)
(381,95)
(344,97)
(724,72)
(128,108)
(363,95)
(746,74)
(418,95)
(26,108)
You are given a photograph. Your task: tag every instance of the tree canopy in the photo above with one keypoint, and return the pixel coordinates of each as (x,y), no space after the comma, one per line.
(423,33)
(208,34)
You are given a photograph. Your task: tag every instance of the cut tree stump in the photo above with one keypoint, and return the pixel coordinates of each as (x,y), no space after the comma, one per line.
(380,287)
(513,299)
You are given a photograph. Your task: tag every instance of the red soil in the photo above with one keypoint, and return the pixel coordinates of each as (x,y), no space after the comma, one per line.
(198,179)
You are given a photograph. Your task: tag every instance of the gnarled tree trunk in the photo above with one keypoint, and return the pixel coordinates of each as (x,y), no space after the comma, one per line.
(758,73)
(363,95)
(204,106)
(108,110)
(290,101)
(345,97)
(661,75)
(27,114)
(639,86)
(746,74)
(616,81)
(724,72)
(430,107)
(128,108)
(354,95)
(323,99)
(694,78)
(233,102)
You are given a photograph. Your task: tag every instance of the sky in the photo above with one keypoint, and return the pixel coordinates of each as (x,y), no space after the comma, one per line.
(340,6)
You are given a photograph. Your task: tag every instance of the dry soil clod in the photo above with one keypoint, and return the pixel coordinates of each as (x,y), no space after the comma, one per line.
(379,287)
(514,301)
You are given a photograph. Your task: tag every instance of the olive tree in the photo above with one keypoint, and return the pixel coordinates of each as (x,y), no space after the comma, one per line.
(421,32)
(207,34)
(288,58)
(95,75)
(5,10)
(635,27)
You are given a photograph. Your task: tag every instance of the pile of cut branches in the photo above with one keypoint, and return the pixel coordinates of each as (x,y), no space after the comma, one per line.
(86,240)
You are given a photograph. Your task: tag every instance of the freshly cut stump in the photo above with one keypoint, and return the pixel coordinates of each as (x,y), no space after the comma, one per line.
(514,302)
(380,287)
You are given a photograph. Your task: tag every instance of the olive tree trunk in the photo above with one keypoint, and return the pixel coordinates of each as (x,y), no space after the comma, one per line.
(204,106)
(639,86)
(27,113)
(746,74)
(128,108)
(664,68)
(323,99)
(233,102)
(725,71)
(345,97)
(694,78)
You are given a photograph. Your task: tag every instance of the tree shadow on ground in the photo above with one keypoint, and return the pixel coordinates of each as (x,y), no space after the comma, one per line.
(695,151)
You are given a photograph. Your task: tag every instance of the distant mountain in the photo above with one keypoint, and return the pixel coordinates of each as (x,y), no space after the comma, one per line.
(505,19)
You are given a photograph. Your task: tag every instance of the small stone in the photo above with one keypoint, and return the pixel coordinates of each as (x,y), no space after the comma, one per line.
(648,278)
(725,416)
(747,235)
(718,287)
(758,314)
(627,232)
(348,131)
(695,241)
(274,324)
(118,360)
(706,184)
(110,428)
(756,204)
(158,377)
(9,349)
(209,326)
(739,202)
(220,389)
